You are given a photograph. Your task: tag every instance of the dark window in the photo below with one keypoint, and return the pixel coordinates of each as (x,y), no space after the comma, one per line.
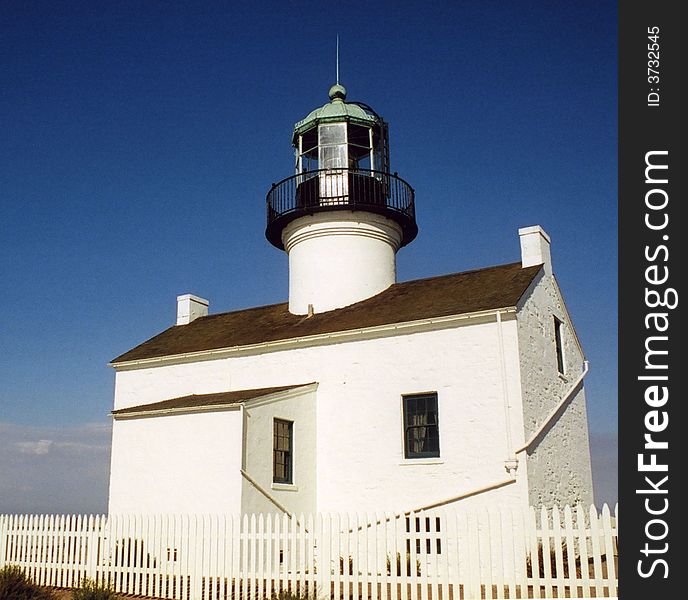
(559,346)
(428,525)
(282,448)
(421,427)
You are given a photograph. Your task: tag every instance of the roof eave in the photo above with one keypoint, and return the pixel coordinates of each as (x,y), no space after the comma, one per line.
(307,124)
(386,330)
(296,390)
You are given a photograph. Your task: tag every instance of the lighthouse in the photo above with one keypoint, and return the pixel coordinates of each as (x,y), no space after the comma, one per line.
(361,393)
(343,215)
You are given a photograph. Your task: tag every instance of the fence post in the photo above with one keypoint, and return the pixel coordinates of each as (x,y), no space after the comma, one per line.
(322,559)
(596,554)
(475,554)
(558,551)
(312,558)
(609,549)
(3,539)
(520,549)
(336,532)
(197,581)
(90,549)
(571,550)
(260,551)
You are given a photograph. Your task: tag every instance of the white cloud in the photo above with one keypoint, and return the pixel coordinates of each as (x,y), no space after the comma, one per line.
(39,447)
(54,469)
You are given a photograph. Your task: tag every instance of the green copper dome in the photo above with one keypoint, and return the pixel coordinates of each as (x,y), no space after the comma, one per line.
(336,110)
(337,91)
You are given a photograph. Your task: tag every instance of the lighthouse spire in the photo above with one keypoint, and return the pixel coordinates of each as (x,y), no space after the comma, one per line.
(337,59)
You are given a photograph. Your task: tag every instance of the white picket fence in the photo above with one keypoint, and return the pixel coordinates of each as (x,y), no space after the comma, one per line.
(439,555)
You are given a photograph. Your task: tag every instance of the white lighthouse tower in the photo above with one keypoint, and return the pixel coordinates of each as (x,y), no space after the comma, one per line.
(342,217)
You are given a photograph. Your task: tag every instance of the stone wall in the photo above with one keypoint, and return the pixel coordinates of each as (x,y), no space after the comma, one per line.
(558,463)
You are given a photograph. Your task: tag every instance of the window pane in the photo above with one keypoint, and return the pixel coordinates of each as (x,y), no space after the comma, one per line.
(309,139)
(332,157)
(358,161)
(282,451)
(334,133)
(421,427)
(558,345)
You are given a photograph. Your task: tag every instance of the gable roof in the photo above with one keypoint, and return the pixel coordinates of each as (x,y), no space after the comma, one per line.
(459,293)
(218,399)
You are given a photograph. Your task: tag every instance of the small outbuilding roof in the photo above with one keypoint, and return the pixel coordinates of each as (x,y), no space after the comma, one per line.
(447,295)
(219,399)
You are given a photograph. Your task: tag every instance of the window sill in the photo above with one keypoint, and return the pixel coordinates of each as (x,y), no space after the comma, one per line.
(284,487)
(421,461)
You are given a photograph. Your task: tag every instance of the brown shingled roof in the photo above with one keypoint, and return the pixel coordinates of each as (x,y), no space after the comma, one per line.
(455,294)
(204,400)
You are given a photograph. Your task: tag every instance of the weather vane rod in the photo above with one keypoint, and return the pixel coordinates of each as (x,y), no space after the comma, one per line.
(337,59)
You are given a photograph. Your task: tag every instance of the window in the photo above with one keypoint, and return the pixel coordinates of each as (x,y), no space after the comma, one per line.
(332,145)
(431,525)
(559,345)
(282,451)
(421,427)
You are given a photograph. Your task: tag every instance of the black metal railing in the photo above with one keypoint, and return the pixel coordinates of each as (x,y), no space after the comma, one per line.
(340,189)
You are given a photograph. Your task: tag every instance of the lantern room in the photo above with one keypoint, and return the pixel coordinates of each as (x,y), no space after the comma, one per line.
(341,135)
(341,163)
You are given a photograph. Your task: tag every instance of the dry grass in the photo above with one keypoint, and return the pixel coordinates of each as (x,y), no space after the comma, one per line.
(66,594)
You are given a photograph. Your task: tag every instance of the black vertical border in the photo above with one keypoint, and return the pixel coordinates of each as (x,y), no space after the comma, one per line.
(642,129)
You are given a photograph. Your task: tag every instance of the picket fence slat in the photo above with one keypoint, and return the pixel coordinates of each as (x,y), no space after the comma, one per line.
(433,555)
(609,547)
(570,550)
(596,553)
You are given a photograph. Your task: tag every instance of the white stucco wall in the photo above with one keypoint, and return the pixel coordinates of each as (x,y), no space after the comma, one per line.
(177,463)
(359,445)
(300,497)
(559,469)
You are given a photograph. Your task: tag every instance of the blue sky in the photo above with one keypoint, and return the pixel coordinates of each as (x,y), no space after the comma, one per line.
(138,141)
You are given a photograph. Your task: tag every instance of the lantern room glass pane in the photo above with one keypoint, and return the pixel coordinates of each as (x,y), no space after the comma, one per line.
(332,157)
(309,140)
(359,136)
(358,144)
(332,133)
(332,143)
(362,162)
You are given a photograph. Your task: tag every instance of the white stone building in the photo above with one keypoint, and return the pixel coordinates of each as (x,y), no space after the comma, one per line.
(360,393)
